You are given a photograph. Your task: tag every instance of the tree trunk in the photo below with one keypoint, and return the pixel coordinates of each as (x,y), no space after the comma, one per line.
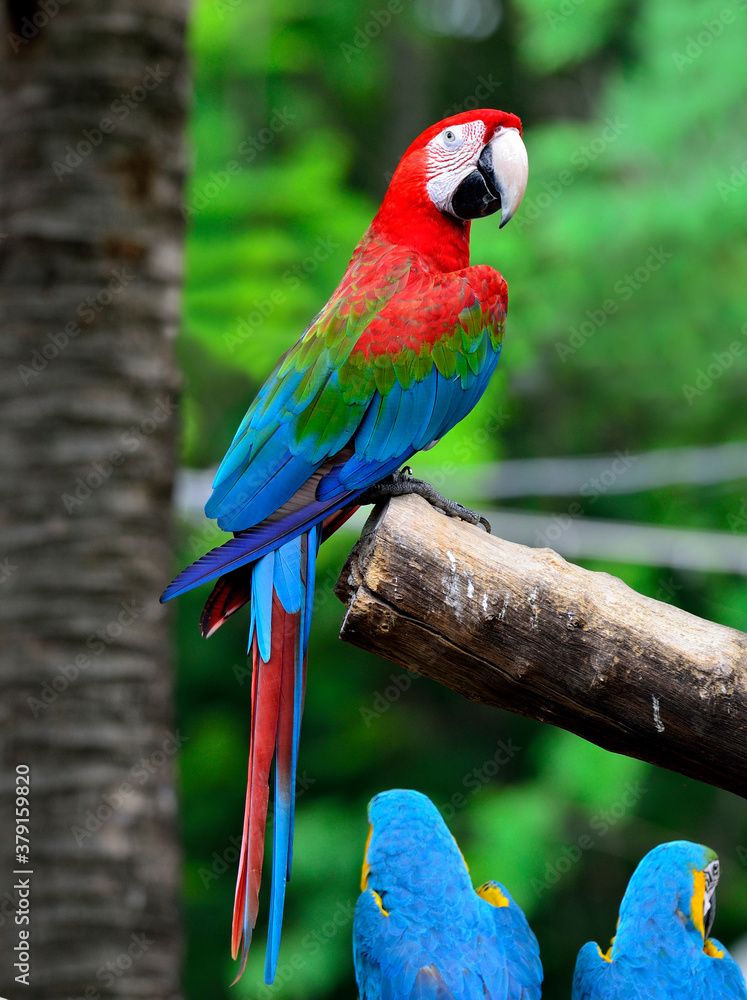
(92,108)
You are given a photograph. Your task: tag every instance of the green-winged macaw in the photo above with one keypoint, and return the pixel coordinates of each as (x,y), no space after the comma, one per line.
(403,349)
(421,931)
(662,948)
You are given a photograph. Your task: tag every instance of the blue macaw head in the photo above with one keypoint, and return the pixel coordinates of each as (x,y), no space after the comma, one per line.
(410,852)
(672,892)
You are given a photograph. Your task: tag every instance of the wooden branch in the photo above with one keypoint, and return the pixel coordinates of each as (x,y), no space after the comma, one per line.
(522,629)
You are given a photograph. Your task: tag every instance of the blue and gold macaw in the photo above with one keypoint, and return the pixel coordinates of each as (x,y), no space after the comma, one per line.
(662,947)
(421,931)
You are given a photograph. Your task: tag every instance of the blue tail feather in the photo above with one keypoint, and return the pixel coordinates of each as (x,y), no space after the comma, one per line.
(261,611)
(295,557)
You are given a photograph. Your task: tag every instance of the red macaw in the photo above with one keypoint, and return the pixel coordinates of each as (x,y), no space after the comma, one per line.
(403,349)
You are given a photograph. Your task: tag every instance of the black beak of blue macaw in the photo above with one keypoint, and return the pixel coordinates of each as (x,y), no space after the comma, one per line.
(709,901)
(497,182)
(709,915)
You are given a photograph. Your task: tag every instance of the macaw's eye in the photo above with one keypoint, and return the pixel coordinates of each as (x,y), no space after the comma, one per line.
(711,873)
(451,139)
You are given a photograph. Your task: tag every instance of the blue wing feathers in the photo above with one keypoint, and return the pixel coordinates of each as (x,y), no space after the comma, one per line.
(275,398)
(427,408)
(377,421)
(251,545)
(307,387)
(265,499)
(397,437)
(261,471)
(442,389)
(257,460)
(442,403)
(357,473)
(509,923)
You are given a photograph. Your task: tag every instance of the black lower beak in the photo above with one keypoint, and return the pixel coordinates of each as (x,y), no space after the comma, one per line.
(477,196)
(709,916)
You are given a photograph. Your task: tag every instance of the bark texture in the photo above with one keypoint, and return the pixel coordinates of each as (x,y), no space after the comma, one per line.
(524,630)
(92,103)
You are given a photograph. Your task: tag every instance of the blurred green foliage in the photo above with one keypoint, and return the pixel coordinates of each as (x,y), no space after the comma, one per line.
(626,265)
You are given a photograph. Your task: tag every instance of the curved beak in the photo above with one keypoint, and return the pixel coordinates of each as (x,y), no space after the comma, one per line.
(505,158)
(709,913)
(498,181)
(711,873)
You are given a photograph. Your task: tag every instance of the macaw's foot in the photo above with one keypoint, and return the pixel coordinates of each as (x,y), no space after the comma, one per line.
(402,482)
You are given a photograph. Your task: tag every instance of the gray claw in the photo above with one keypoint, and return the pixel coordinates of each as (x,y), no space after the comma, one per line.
(401,482)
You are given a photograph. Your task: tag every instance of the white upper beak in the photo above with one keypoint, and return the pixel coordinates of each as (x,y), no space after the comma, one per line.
(510,170)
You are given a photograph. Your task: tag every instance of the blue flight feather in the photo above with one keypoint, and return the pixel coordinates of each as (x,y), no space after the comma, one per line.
(308,387)
(268,449)
(269,489)
(274,402)
(399,438)
(427,406)
(255,542)
(377,425)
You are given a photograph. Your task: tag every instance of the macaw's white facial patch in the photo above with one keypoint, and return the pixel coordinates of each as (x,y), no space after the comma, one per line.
(452,156)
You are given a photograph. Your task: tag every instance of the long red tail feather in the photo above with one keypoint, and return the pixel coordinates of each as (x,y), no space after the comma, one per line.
(266,684)
(278,690)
